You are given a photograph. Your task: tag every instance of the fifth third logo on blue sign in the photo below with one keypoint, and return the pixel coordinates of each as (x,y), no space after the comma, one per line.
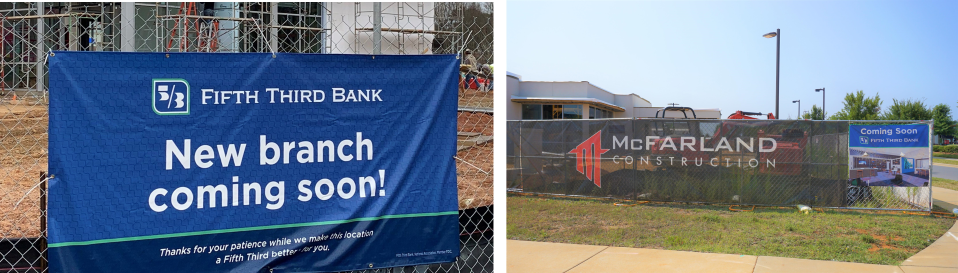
(864,140)
(171,97)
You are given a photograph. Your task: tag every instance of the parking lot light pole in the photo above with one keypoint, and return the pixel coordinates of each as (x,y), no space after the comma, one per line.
(799,111)
(823,100)
(778,45)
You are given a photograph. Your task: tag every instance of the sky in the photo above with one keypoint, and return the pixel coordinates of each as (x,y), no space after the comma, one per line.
(711,54)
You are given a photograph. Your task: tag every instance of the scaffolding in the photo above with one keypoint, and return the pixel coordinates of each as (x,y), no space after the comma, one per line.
(399,14)
(31,31)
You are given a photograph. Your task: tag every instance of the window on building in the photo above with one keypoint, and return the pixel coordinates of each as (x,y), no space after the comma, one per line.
(548,111)
(556,112)
(552,111)
(572,111)
(596,113)
(532,111)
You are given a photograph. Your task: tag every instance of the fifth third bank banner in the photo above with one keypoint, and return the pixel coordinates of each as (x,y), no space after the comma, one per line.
(197,162)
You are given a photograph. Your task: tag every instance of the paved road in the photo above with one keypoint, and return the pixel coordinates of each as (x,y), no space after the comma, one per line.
(944,172)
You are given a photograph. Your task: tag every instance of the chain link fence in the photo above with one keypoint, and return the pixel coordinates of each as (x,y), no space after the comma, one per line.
(31,30)
(736,162)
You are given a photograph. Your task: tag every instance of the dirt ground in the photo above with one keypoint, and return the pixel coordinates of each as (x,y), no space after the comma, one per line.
(24,155)
(474,164)
(475,98)
(475,123)
(474,172)
(23,144)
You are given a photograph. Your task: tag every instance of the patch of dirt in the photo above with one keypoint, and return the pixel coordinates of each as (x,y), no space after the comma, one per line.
(877,247)
(474,176)
(474,164)
(475,98)
(881,241)
(879,237)
(23,144)
(475,123)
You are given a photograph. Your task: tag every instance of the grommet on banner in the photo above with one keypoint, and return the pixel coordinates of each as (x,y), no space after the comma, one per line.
(52,54)
(374,57)
(274,55)
(167,55)
(370,265)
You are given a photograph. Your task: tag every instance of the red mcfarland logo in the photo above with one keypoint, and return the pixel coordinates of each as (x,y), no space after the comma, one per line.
(587,157)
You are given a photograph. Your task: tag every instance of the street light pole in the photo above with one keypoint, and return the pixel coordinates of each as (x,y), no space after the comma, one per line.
(778,46)
(823,100)
(799,111)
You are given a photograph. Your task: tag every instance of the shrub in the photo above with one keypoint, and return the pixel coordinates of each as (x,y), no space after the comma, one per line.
(946,155)
(951,149)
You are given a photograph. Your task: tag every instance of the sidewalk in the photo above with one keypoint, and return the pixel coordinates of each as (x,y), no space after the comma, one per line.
(525,256)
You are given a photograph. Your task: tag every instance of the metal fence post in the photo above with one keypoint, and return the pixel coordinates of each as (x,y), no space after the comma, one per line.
(40,52)
(43,222)
(378,28)
(931,164)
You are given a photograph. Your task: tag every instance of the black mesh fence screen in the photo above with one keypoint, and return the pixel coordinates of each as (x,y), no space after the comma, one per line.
(748,162)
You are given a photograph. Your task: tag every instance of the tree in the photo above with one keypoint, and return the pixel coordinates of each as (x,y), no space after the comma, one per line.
(943,121)
(859,107)
(471,21)
(815,114)
(907,110)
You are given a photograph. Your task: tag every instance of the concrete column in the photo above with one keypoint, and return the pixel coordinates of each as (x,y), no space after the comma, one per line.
(128,26)
(229,30)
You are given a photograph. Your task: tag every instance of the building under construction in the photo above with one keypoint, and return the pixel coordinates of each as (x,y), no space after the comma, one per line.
(31,31)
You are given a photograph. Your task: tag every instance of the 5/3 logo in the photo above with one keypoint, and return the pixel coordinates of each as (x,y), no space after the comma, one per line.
(171,97)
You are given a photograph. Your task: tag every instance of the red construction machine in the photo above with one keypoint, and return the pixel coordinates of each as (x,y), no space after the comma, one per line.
(785,158)
(746,115)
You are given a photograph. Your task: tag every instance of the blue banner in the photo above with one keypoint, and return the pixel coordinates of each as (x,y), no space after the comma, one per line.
(251,162)
(888,136)
(889,155)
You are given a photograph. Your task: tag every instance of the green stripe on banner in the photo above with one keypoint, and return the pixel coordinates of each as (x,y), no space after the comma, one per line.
(887,147)
(220,231)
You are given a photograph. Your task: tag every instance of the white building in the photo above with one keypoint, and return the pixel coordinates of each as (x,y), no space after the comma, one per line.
(533,100)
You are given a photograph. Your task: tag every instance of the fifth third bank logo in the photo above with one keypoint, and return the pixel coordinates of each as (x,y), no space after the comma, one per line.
(863,140)
(171,97)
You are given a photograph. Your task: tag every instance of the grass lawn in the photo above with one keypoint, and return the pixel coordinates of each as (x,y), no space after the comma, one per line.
(945,161)
(944,183)
(862,237)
